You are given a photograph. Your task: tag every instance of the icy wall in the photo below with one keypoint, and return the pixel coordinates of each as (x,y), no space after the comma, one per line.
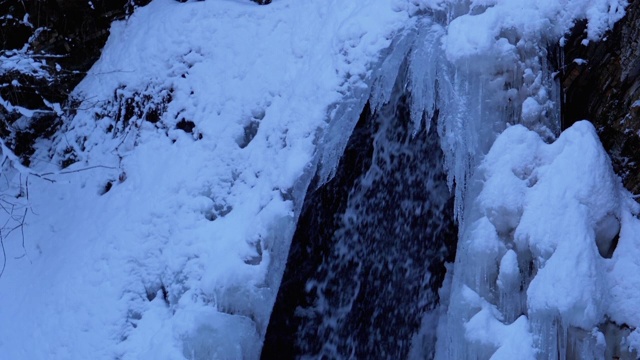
(532,277)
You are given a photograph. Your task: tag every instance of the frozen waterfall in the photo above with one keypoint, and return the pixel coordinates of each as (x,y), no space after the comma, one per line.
(368,255)
(300,175)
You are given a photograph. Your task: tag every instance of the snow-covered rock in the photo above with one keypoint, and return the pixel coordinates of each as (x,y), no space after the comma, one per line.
(534,232)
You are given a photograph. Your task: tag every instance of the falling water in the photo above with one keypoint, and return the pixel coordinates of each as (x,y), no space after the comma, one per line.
(368,255)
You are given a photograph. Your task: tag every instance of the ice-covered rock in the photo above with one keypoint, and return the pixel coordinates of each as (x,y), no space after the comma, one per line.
(546,256)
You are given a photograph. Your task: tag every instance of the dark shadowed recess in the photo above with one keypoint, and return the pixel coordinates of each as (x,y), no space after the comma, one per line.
(601,83)
(368,255)
(65,37)
(65,34)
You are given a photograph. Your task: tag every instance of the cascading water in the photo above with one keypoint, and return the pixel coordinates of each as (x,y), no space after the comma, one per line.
(368,255)
(367,260)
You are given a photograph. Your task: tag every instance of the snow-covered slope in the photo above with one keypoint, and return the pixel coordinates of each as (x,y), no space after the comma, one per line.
(201,120)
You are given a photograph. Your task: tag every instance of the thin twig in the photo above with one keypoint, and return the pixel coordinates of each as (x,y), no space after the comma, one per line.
(79,170)
(24,217)
(4,254)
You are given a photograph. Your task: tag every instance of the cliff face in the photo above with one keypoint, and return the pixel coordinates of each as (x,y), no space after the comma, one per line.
(601,82)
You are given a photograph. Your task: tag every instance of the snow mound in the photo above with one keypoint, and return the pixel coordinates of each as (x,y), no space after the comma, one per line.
(538,251)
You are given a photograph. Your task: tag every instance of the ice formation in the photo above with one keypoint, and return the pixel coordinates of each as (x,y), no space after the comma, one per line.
(528,258)
(532,278)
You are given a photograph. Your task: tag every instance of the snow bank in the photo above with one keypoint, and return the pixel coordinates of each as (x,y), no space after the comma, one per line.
(535,252)
(499,25)
(194,138)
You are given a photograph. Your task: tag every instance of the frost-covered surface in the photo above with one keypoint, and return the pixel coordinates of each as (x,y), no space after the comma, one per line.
(532,273)
(204,119)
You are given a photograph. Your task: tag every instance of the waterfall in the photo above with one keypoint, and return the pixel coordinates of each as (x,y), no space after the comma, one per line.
(366,268)
(368,255)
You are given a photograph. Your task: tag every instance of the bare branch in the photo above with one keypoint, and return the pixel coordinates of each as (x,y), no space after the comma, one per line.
(79,170)
(4,254)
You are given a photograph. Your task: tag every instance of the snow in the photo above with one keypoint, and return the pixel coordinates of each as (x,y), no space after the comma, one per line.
(174,247)
(496,68)
(538,218)
(196,135)
(556,207)
(623,286)
(531,20)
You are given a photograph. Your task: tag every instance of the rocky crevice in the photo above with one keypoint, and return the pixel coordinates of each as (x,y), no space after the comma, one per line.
(601,82)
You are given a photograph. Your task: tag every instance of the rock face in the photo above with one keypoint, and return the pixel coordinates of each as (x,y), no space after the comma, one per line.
(46,47)
(601,83)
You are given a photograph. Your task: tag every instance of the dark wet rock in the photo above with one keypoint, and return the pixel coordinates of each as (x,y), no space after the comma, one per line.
(601,83)
(46,48)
